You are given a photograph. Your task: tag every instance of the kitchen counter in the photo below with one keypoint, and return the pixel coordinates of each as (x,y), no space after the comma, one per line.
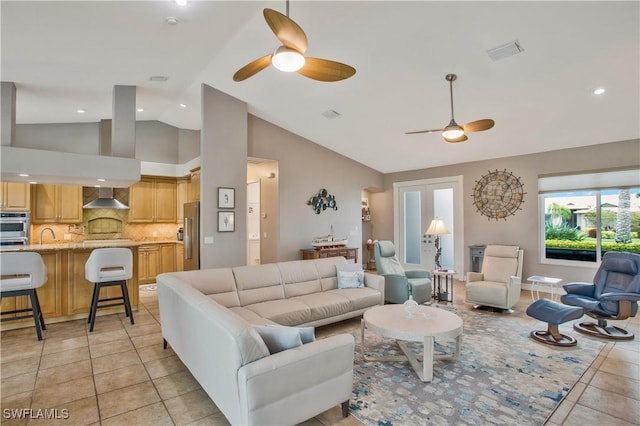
(88,244)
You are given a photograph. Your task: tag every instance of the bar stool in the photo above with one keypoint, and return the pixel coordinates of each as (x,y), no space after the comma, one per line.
(21,273)
(109,267)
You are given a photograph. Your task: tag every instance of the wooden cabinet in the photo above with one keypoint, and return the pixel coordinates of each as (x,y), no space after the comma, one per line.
(182,196)
(148,263)
(153,200)
(15,197)
(194,185)
(167,258)
(347,252)
(179,257)
(56,203)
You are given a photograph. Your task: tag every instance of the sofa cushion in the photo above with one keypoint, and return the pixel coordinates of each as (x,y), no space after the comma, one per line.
(219,284)
(258,283)
(250,316)
(299,277)
(350,275)
(279,338)
(327,271)
(284,311)
(325,304)
(359,298)
(486,292)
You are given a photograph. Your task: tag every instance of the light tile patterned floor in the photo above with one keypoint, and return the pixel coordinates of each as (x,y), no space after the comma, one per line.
(119,374)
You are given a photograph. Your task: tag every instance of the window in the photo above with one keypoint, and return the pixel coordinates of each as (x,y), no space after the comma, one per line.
(581,224)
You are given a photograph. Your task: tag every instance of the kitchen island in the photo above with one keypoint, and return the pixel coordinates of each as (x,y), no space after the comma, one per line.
(67,294)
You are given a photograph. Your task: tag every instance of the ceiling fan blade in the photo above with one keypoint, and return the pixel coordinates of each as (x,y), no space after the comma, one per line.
(479,125)
(423,131)
(252,68)
(326,70)
(455,140)
(288,32)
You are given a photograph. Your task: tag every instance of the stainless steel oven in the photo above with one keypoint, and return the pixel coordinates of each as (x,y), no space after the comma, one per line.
(14,228)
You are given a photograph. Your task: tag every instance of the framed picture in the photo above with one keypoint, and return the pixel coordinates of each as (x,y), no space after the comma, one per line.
(226,221)
(226,198)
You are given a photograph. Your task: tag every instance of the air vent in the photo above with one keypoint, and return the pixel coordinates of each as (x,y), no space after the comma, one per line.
(158,78)
(331,114)
(505,50)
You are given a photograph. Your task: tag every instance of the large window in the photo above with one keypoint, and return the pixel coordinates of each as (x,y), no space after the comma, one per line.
(581,224)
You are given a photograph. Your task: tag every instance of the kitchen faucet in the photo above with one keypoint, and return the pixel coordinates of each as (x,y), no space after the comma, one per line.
(53,234)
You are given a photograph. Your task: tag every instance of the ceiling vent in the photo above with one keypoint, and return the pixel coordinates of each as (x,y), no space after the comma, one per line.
(505,50)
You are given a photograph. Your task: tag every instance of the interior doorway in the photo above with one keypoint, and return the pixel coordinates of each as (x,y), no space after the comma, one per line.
(416,204)
(263,211)
(253,223)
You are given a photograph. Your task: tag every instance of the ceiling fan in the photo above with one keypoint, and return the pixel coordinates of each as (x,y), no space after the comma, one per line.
(290,56)
(453,132)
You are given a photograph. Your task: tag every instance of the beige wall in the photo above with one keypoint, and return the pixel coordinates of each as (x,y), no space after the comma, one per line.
(522,228)
(304,169)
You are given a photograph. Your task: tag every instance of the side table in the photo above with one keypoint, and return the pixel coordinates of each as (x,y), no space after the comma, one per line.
(442,281)
(549,283)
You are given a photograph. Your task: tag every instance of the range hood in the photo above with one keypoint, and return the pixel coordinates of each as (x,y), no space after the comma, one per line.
(105,200)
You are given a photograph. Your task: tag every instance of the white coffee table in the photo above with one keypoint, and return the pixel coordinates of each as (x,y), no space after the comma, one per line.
(428,325)
(549,283)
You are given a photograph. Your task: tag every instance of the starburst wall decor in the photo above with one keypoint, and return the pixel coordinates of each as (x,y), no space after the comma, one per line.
(498,194)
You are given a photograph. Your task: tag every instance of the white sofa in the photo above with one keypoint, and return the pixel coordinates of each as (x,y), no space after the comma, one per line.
(208,318)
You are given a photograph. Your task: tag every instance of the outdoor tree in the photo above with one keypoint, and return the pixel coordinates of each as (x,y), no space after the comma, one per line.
(623,221)
(607,219)
(558,210)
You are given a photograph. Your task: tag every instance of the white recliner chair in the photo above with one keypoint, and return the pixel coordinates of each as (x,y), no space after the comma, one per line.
(498,286)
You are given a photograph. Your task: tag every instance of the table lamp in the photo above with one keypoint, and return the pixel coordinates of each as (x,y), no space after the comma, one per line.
(437,228)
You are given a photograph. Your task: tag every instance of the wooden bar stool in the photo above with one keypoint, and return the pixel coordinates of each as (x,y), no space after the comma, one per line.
(21,273)
(109,267)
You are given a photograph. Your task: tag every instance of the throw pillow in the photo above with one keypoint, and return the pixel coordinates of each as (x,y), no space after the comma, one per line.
(279,338)
(350,275)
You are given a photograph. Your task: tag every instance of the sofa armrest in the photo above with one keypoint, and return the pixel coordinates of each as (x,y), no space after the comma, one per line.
(619,297)
(376,282)
(322,369)
(582,289)
(474,276)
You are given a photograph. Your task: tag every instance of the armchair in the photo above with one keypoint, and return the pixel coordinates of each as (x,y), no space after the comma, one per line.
(614,295)
(498,285)
(397,280)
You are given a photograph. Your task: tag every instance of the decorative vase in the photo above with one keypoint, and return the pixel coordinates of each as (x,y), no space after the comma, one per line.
(410,306)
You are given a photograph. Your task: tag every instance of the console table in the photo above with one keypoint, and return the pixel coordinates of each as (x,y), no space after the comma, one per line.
(317,253)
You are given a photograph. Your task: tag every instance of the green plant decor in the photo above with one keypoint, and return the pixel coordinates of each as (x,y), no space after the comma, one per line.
(591,245)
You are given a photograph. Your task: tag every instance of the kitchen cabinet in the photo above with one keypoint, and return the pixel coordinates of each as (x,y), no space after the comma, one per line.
(167,258)
(148,263)
(182,196)
(15,197)
(194,185)
(153,199)
(179,257)
(56,203)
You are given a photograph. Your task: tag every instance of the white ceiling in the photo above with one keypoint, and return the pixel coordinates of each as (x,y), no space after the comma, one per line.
(68,55)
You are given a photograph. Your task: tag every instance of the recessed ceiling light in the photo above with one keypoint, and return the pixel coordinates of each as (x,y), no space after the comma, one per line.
(81,111)
(181,2)
(183,105)
(599,91)
(171,20)
(140,109)
(331,114)
(23,175)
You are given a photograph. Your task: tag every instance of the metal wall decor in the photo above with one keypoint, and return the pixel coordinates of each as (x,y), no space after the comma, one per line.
(498,194)
(322,201)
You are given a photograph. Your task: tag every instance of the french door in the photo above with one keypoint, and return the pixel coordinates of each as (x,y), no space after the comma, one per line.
(417,203)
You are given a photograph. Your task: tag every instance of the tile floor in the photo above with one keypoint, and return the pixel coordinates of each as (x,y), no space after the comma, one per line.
(119,374)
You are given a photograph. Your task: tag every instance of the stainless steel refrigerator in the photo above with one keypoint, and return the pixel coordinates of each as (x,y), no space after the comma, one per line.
(191,236)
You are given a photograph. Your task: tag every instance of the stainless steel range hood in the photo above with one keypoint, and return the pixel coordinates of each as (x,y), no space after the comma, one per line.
(105,200)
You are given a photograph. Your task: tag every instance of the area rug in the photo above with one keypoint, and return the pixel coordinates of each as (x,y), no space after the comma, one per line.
(148,287)
(502,377)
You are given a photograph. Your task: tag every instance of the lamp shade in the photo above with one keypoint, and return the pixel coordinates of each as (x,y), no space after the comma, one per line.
(437,227)
(287,59)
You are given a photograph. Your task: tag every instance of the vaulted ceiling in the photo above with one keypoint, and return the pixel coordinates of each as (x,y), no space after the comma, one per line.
(65,56)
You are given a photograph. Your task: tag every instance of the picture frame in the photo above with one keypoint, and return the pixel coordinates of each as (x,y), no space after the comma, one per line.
(226,221)
(226,198)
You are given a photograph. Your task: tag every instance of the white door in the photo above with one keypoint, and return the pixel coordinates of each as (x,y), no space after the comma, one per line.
(417,204)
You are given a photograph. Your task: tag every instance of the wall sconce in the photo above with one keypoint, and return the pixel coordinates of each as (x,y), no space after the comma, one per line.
(270,175)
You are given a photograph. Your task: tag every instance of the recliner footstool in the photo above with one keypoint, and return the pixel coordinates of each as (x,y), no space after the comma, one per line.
(554,314)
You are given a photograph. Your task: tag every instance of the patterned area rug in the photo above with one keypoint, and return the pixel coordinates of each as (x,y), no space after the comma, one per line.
(501,378)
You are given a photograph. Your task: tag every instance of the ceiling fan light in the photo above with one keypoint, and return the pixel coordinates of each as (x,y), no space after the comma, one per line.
(452,131)
(287,59)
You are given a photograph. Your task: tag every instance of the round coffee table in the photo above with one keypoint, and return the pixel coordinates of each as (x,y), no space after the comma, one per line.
(428,325)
